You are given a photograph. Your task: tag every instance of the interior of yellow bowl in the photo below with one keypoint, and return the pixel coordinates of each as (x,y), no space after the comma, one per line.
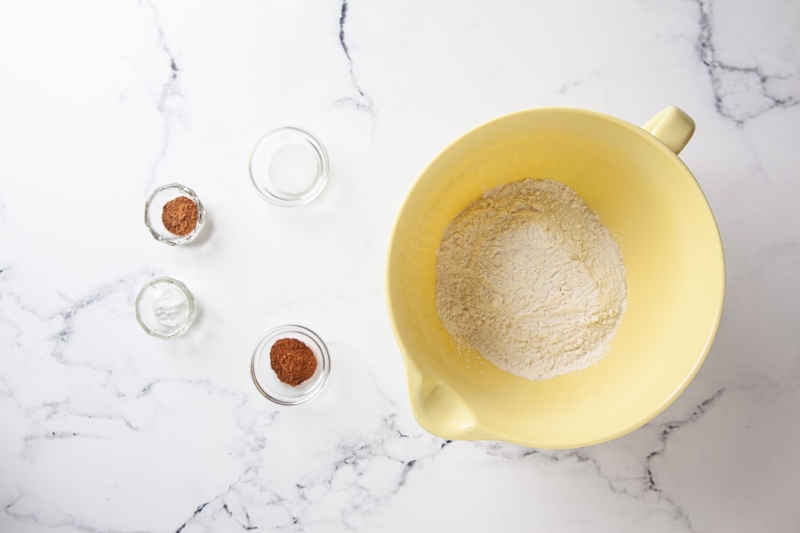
(673,260)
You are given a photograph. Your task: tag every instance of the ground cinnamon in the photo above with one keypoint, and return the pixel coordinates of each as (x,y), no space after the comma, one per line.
(293,361)
(180,215)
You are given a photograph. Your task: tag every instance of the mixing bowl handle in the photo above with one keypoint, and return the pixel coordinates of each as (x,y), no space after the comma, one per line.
(672,126)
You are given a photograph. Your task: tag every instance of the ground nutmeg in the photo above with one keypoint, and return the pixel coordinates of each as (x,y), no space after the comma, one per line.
(292,360)
(180,215)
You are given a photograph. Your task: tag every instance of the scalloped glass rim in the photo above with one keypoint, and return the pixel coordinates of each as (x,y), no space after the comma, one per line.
(166,237)
(179,330)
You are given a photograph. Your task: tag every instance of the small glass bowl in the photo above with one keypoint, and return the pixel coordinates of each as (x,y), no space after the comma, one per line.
(148,317)
(267,381)
(289,167)
(155,205)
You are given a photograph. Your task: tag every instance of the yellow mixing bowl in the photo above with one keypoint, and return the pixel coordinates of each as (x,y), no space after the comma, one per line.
(670,244)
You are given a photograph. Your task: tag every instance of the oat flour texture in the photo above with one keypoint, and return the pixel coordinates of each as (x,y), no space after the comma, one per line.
(530,277)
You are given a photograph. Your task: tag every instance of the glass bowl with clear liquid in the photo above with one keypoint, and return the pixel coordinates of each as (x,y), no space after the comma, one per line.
(289,167)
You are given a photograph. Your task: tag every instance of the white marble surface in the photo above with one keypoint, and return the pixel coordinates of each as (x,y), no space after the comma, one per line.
(106,429)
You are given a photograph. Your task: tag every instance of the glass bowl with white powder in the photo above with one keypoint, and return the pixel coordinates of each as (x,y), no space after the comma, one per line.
(165,308)
(289,167)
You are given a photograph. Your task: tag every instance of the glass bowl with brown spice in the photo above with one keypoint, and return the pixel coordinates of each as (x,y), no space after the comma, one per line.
(174,214)
(290,365)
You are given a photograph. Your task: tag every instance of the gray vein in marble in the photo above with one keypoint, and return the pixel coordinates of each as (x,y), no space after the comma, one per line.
(354,457)
(250,477)
(67,315)
(364,101)
(667,430)
(246,524)
(169,93)
(8,321)
(17,300)
(44,412)
(196,512)
(64,521)
(568,87)
(649,483)
(49,411)
(740,92)
(358,457)
(252,443)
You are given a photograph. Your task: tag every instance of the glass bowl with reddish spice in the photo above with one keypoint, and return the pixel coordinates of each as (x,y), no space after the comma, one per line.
(174,214)
(290,365)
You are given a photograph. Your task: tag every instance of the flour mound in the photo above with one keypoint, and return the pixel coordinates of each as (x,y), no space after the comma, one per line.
(530,277)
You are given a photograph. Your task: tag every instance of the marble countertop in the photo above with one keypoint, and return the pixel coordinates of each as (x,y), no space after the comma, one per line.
(107,429)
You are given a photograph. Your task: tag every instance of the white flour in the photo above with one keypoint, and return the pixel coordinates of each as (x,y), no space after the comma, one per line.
(531,278)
